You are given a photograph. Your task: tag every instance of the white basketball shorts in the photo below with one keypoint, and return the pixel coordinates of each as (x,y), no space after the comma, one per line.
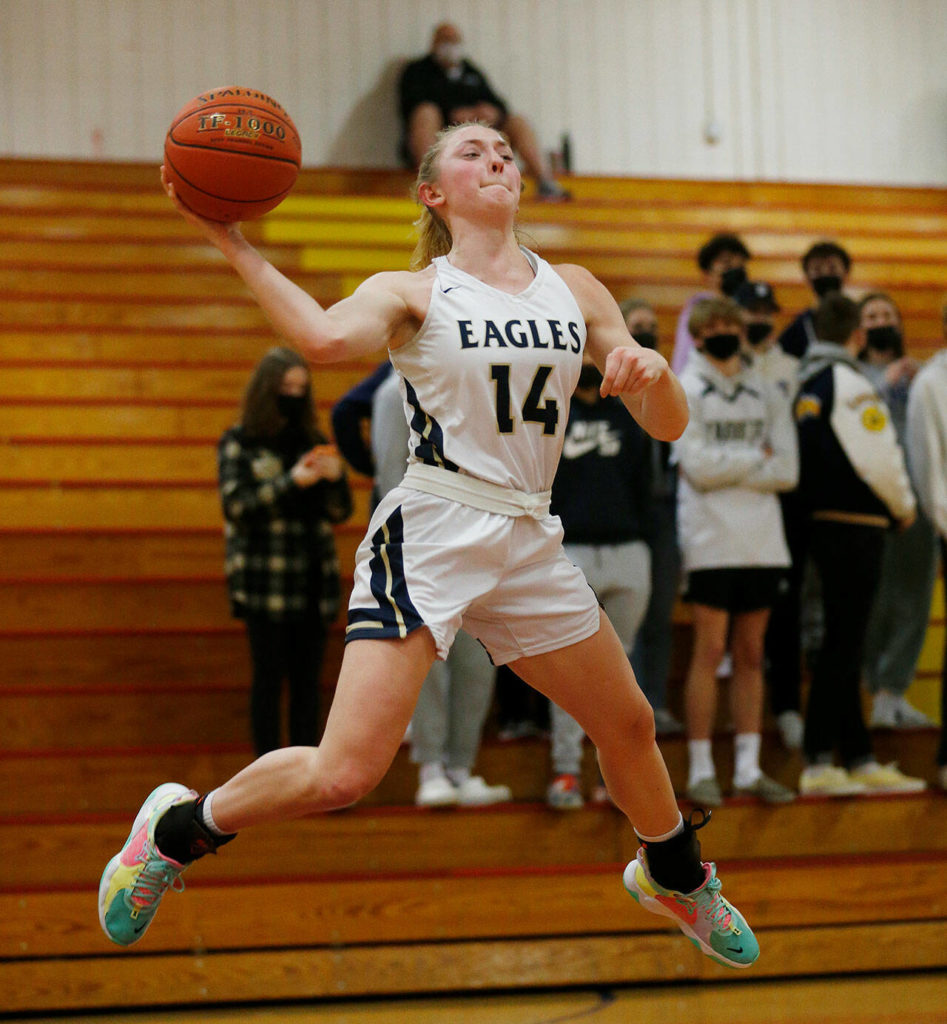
(431,561)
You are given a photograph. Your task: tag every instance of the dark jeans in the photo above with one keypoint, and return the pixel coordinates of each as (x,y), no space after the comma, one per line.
(848,559)
(942,749)
(784,630)
(292,651)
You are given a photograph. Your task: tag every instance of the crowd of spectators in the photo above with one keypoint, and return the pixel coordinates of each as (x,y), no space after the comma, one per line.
(786,502)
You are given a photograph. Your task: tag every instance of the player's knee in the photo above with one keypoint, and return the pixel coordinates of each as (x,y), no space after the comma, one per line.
(641,722)
(344,785)
(632,723)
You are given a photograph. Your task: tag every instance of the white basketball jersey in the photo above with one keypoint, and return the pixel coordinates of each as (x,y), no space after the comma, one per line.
(487,380)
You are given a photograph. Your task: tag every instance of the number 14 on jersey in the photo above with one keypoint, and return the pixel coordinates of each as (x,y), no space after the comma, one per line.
(534,410)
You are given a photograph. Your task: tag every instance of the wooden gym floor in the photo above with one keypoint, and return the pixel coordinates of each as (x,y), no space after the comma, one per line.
(876,999)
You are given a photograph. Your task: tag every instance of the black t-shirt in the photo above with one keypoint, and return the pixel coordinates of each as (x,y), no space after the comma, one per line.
(602,490)
(425,81)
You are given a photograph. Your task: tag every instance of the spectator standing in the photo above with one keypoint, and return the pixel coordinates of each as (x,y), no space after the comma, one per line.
(826,266)
(737,452)
(927,443)
(722,260)
(854,486)
(783,632)
(281,487)
(651,655)
(899,616)
(601,493)
(444,88)
(448,719)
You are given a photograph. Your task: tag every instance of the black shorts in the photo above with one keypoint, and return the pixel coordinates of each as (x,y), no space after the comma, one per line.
(734,590)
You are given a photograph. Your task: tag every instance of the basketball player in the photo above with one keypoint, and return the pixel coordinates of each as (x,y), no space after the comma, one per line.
(487,340)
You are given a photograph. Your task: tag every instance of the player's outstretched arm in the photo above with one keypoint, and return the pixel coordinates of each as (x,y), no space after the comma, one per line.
(640,376)
(361,324)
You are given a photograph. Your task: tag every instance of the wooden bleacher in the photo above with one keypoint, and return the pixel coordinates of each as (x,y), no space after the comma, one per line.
(125,343)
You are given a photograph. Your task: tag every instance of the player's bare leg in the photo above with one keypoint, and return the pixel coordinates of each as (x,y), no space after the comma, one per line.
(377,689)
(593,681)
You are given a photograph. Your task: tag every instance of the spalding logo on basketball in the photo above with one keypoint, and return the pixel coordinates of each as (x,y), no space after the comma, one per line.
(232,154)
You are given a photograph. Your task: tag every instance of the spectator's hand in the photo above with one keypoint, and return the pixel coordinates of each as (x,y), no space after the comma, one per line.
(304,474)
(631,369)
(325,461)
(902,370)
(907,522)
(214,231)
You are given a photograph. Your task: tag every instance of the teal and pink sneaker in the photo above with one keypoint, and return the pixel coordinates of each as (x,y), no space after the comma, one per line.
(138,876)
(715,926)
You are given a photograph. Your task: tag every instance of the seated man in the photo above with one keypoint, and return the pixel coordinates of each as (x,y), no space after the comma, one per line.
(444,88)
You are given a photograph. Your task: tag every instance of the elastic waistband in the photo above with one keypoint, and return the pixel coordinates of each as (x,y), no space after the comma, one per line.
(469,490)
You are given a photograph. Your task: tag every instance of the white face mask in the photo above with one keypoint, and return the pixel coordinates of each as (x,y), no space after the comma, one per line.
(449,53)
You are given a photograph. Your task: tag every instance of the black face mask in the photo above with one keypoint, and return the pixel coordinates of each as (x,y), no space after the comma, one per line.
(885,339)
(646,339)
(293,407)
(731,279)
(589,377)
(721,346)
(758,332)
(826,283)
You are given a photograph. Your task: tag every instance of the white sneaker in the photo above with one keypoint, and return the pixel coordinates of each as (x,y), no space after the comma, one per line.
(474,792)
(829,780)
(437,791)
(886,778)
(791,729)
(908,716)
(891,711)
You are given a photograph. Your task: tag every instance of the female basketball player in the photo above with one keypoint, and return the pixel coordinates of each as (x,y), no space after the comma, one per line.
(487,339)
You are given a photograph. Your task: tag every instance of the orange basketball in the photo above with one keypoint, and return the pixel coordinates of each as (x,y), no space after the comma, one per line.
(232,154)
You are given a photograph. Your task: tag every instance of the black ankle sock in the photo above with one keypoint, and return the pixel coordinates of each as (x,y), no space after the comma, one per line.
(182,835)
(675,863)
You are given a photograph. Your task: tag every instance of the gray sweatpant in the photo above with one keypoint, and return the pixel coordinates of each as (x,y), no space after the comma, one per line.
(453,705)
(620,575)
(902,606)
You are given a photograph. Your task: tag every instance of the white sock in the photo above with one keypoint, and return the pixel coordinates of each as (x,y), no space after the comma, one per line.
(679,827)
(885,700)
(458,775)
(207,815)
(746,754)
(701,761)
(430,770)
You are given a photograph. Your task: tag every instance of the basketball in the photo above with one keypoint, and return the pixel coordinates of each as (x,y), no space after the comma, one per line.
(232,154)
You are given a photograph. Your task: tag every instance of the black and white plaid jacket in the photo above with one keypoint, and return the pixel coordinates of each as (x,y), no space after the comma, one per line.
(280,548)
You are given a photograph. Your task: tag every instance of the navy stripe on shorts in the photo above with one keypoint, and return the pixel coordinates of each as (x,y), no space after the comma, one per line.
(395,615)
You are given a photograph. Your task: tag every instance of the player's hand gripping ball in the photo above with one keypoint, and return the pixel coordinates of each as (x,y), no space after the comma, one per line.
(232,154)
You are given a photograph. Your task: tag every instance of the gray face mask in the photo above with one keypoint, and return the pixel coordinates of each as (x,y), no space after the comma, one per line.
(449,54)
